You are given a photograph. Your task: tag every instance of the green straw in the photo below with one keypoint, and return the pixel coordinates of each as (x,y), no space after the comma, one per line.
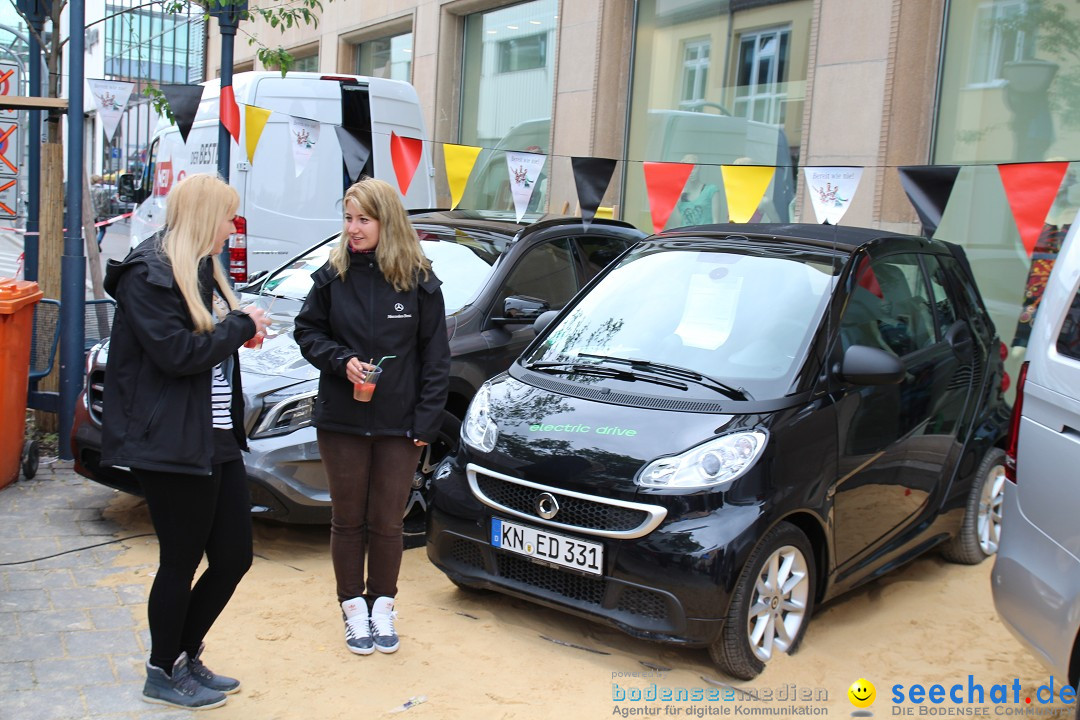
(385,357)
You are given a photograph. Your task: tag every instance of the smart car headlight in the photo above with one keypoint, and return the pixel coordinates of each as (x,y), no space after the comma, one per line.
(287,410)
(479,430)
(716,462)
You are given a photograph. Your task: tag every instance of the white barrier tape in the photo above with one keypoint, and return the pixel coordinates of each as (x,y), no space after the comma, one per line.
(110,221)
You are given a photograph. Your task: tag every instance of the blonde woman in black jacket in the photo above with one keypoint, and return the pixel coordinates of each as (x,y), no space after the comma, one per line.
(377,297)
(173,413)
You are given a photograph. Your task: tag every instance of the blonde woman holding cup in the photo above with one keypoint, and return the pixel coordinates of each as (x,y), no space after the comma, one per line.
(376,298)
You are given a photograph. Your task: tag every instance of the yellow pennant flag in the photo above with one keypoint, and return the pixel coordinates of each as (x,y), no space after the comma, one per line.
(744,186)
(460,160)
(255,120)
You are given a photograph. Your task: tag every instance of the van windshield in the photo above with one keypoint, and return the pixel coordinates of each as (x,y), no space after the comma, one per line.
(743,320)
(462,261)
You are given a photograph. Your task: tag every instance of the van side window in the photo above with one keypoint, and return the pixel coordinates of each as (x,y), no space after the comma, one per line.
(1068,342)
(889,307)
(546,273)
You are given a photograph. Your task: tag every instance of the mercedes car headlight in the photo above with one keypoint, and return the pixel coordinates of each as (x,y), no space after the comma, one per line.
(716,462)
(287,410)
(479,430)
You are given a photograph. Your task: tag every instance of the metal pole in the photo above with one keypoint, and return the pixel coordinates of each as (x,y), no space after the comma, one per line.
(73,262)
(228,18)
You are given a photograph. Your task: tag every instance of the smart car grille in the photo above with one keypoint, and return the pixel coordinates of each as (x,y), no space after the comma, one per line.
(467,553)
(576,512)
(642,602)
(95,394)
(571,585)
(572,511)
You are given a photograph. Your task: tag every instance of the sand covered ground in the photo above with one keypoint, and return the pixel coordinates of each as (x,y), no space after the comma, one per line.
(480,656)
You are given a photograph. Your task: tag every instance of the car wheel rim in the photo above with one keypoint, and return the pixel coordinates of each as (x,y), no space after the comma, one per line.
(778,609)
(989,520)
(430,458)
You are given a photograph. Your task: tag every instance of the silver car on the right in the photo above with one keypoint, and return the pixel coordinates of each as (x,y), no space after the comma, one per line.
(1036,576)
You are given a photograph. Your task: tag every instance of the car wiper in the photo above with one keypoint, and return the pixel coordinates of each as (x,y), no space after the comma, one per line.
(573,368)
(673,371)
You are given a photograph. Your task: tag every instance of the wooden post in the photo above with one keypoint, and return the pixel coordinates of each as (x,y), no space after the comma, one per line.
(50,249)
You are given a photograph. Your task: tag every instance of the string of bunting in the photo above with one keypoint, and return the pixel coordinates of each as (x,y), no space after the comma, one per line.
(1029,187)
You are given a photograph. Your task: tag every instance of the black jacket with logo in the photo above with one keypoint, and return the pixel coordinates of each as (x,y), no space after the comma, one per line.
(157,411)
(363,316)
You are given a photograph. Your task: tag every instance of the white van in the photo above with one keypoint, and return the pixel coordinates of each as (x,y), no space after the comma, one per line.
(283,212)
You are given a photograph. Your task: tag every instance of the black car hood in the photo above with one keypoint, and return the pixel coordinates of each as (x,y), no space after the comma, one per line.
(585,445)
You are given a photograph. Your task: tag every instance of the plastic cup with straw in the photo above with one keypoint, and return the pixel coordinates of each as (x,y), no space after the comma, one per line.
(363,390)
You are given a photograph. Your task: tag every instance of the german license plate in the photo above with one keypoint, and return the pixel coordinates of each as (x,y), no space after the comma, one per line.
(547,546)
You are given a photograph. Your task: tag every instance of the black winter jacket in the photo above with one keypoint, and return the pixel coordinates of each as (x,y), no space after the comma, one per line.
(157,413)
(363,316)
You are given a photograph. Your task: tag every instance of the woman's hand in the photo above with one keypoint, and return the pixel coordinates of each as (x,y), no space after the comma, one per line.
(418,442)
(356,370)
(259,317)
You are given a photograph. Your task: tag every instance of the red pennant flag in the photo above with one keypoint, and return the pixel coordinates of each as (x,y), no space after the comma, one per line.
(1030,189)
(405,153)
(230,112)
(664,183)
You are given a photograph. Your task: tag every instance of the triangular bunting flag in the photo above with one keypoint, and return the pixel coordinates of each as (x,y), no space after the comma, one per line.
(592,176)
(831,191)
(230,112)
(405,153)
(1030,189)
(305,136)
(744,186)
(460,160)
(663,183)
(354,152)
(255,119)
(928,187)
(110,97)
(524,169)
(183,102)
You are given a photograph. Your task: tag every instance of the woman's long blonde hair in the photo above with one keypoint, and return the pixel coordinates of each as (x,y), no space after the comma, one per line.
(194,210)
(398,252)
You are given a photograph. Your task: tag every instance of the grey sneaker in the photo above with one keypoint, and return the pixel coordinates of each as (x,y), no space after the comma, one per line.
(383,616)
(357,626)
(181,689)
(208,678)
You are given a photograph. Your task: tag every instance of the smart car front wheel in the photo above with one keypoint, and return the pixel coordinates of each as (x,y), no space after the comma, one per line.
(771,605)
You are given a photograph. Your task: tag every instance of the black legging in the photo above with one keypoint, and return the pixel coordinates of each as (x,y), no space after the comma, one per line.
(194,514)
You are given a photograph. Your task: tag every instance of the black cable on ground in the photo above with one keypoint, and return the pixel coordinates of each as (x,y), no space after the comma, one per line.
(74,550)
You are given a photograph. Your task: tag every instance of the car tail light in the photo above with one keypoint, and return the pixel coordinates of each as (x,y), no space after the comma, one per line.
(1006,381)
(1014,425)
(1003,351)
(238,265)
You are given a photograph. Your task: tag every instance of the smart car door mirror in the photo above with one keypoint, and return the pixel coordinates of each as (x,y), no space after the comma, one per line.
(126,190)
(864,365)
(540,324)
(522,309)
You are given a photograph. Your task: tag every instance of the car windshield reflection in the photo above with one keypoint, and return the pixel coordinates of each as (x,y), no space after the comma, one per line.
(742,319)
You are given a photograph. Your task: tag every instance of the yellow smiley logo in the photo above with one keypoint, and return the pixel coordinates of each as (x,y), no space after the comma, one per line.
(862,693)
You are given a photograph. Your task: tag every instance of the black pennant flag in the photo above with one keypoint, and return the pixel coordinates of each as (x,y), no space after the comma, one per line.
(928,187)
(591,175)
(353,150)
(184,102)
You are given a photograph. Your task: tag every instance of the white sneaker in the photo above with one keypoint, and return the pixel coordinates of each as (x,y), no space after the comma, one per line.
(383,616)
(357,626)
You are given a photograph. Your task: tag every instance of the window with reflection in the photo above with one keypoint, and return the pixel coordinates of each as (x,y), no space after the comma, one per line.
(386,57)
(717,83)
(508,82)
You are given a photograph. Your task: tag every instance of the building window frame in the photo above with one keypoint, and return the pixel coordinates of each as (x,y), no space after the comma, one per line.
(695,73)
(758,91)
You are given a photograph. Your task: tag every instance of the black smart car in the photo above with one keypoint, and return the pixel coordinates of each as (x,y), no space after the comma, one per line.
(729,425)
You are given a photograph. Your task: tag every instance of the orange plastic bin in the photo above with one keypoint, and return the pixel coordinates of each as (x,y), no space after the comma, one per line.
(17,301)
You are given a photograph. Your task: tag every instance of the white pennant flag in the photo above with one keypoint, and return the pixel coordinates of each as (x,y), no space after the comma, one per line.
(110,97)
(831,190)
(305,136)
(524,169)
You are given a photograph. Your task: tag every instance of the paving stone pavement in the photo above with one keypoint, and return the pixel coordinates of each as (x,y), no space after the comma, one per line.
(72,640)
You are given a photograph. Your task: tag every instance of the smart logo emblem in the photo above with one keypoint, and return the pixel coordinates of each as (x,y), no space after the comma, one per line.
(862,693)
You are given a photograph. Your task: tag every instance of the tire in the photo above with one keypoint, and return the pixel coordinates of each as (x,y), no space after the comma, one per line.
(749,638)
(980,531)
(31,457)
(430,457)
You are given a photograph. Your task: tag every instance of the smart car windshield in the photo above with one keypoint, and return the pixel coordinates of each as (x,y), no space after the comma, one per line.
(742,321)
(462,261)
